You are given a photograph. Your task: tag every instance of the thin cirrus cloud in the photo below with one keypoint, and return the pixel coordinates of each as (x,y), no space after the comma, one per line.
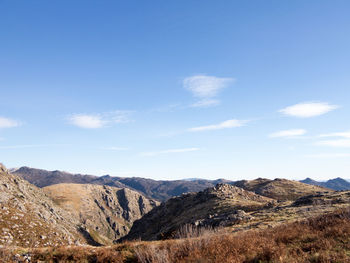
(308,109)
(341,140)
(8,123)
(340,143)
(222,125)
(114,148)
(293,133)
(23,146)
(329,155)
(96,121)
(170,151)
(337,134)
(206,89)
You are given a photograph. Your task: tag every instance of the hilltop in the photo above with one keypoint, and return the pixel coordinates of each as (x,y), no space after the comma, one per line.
(280,189)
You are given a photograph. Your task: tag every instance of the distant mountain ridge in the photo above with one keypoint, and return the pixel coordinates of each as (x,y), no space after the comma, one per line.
(280,189)
(337,184)
(154,189)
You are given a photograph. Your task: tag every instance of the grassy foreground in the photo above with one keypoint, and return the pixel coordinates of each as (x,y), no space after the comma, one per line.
(324,238)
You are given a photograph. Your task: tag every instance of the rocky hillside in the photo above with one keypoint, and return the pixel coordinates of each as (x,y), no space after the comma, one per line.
(106,213)
(29,218)
(280,189)
(337,184)
(222,205)
(159,190)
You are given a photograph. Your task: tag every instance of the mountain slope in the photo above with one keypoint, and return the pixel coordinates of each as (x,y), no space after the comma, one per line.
(217,206)
(28,218)
(280,189)
(106,213)
(337,184)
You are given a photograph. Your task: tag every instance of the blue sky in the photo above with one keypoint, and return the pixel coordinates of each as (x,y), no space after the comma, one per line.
(176,89)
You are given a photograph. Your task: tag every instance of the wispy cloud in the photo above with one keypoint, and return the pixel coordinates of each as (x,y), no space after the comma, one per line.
(206,88)
(184,150)
(22,146)
(8,123)
(222,125)
(329,155)
(341,143)
(293,133)
(96,121)
(308,109)
(337,134)
(113,148)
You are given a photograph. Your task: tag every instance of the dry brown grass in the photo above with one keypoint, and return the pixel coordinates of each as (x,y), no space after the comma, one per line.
(322,239)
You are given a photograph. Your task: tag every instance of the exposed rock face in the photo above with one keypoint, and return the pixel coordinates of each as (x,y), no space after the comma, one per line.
(222,205)
(28,218)
(280,189)
(106,213)
(159,190)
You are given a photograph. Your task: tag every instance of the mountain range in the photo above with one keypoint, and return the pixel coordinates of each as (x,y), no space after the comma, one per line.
(158,190)
(86,209)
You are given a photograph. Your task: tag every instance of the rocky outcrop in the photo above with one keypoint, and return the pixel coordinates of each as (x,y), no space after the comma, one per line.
(29,218)
(105,213)
(222,205)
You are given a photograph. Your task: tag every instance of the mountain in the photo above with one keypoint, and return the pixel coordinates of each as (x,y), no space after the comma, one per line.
(280,189)
(337,184)
(106,213)
(29,218)
(159,190)
(221,205)
(42,178)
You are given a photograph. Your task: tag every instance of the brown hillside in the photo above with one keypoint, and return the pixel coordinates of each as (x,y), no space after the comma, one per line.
(107,213)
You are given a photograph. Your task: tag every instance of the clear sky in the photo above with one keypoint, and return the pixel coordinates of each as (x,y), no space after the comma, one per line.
(177,89)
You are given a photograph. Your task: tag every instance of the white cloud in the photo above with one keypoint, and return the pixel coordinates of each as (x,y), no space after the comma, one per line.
(337,134)
(288,133)
(308,109)
(170,151)
(113,148)
(205,103)
(95,121)
(329,155)
(223,125)
(87,121)
(8,123)
(342,143)
(206,88)
(23,146)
